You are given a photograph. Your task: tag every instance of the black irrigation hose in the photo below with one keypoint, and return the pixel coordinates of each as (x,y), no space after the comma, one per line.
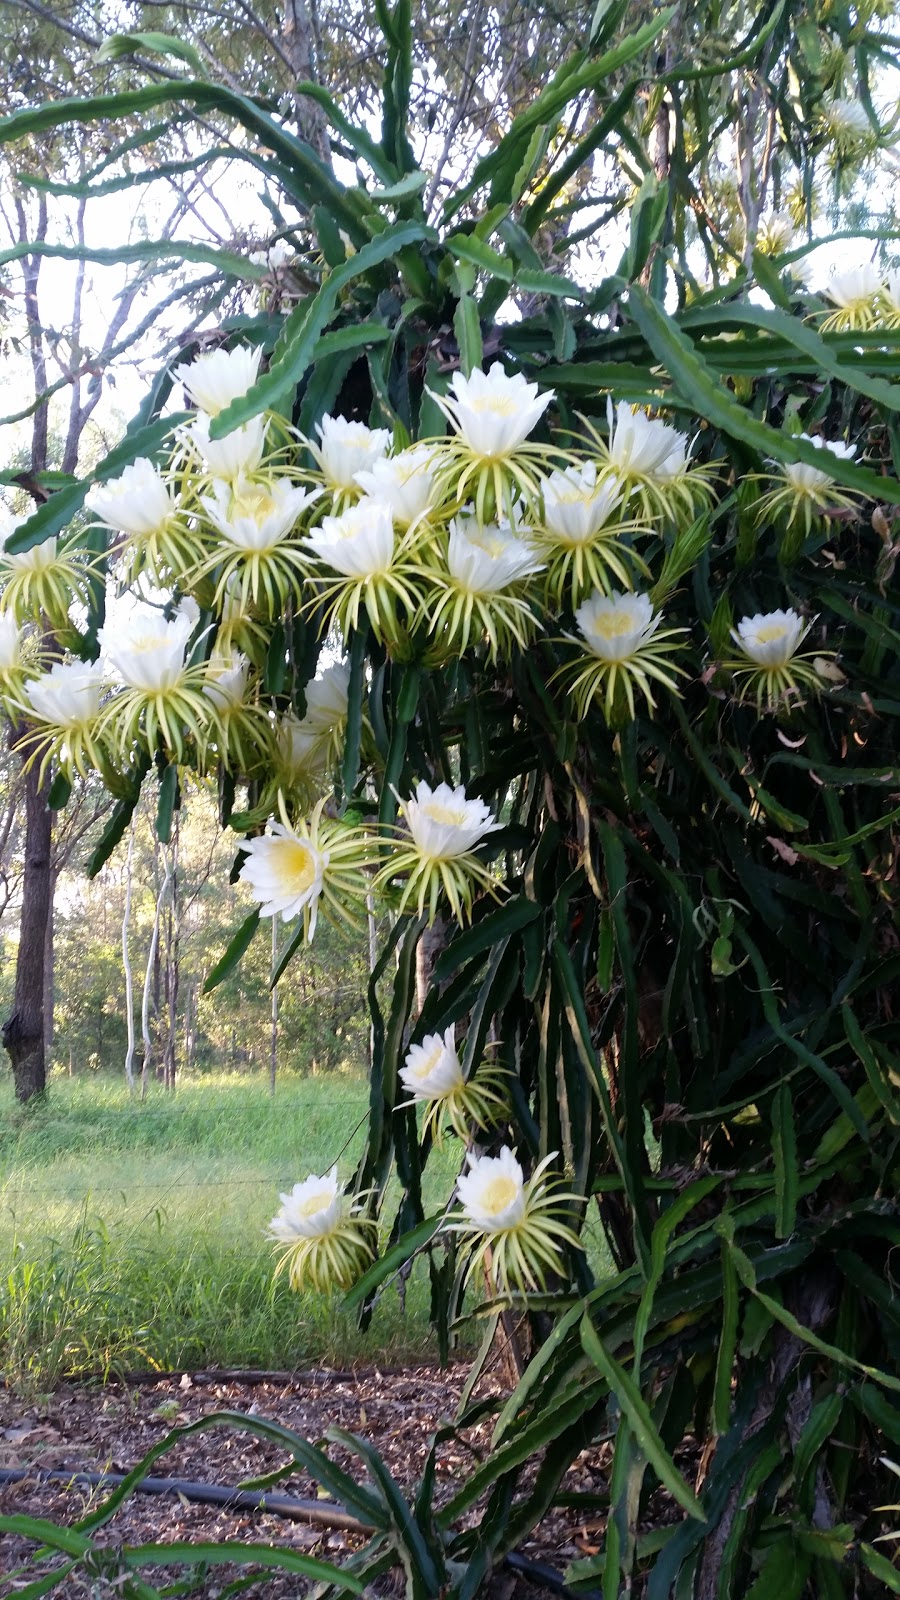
(229,1375)
(211,1494)
(326,1513)
(315,1375)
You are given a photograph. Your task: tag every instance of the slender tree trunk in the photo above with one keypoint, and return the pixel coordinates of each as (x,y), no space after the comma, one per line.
(189,1024)
(372,928)
(298,39)
(428,949)
(23,1031)
(152,971)
(173,941)
(172,987)
(126,960)
(49,967)
(273,1040)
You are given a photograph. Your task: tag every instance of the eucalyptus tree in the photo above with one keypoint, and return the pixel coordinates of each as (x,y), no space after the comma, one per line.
(621,652)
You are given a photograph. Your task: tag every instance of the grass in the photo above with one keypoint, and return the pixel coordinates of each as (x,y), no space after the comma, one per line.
(131,1236)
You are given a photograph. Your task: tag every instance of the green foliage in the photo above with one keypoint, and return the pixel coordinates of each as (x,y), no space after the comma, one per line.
(690,983)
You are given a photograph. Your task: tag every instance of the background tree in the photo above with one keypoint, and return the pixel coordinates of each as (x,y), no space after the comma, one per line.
(322,1026)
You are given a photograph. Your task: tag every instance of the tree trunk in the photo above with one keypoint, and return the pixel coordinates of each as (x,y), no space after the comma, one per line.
(298,39)
(273,1035)
(49,969)
(126,960)
(428,949)
(189,1024)
(23,1031)
(173,974)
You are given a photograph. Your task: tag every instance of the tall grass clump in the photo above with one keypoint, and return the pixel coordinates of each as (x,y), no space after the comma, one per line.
(131,1235)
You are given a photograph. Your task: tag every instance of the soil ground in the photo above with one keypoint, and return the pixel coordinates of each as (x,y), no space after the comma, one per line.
(109,1428)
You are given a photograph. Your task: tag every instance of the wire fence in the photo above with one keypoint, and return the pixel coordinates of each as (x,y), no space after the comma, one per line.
(134,1116)
(85,1192)
(268,1103)
(19,1185)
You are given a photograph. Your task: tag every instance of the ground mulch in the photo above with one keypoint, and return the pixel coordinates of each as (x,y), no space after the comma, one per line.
(85,1427)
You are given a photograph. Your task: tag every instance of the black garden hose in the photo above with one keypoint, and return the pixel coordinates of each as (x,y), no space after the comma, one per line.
(294,1509)
(325,1513)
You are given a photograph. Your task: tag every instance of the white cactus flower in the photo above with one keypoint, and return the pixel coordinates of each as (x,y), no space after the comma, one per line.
(775,234)
(138,502)
(305,747)
(854,285)
(803,270)
(325,1241)
(346,448)
(432,1068)
(436,853)
(484,560)
(146,651)
(326,698)
(771,638)
(359,543)
(313,1208)
(275,255)
(616,626)
(519,1226)
(805,480)
(628,651)
(302,750)
(226,679)
(38,559)
(492,412)
(576,506)
(492,1192)
(10,642)
(433,1076)
(218,377)
(770,667)
(256,516)
(847,121)
(68,696)
(639,444)
(240,452)
(405,482)
(285,873)
(444,823)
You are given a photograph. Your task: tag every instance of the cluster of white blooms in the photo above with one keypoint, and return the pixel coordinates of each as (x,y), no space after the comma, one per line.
(516,1226)
(474,540)
(479,541)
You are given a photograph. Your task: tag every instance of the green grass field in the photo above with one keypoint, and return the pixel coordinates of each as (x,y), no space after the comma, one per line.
(131,1236)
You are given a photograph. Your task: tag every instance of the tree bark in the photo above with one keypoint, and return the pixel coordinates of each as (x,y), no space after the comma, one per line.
(173,971)
(273,1036)
(23,1031)
(50,965)
(298,38)
(428,949)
